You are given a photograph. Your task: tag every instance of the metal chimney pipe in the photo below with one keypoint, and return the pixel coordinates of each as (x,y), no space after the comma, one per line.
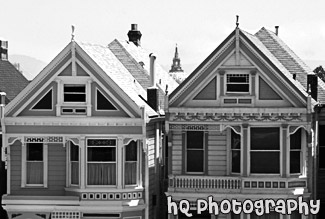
(276,30)
(152,70)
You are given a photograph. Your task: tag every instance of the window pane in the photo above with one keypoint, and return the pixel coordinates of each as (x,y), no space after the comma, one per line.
(235,161)
(131,151)
(265,139)
(235,140)
(45,102)
(74,152)
(103,103)
(238,87)
(195,139)
(295,140)
(265,162)
(74,97)
(34,173)
(294,161)
(194,161)
(74,88)
(101,154)
(34,151)
(101,174)
(74,173)
(130,173)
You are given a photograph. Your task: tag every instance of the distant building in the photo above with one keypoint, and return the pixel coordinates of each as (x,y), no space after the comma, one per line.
(11,83)
(176,70)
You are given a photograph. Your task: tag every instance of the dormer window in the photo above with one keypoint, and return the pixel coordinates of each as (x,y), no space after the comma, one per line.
(237,83)
(74,93)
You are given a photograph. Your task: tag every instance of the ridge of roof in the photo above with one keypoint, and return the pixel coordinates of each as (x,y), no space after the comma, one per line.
(261,46)
(114,69)
(140,54)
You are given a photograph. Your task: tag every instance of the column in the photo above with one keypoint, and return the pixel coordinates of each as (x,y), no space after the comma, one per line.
(83,164)
(245,151)
(284,151)
(119,180)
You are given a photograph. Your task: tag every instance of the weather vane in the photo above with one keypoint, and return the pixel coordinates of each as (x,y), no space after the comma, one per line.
(237,20)
(72,34)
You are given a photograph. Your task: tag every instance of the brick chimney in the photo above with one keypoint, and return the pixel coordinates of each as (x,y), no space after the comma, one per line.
(134,35)
(152,91)
(312,84)
(3,50)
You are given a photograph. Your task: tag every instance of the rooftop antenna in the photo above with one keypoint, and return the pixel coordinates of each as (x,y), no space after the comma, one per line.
(237,20)
(72,33)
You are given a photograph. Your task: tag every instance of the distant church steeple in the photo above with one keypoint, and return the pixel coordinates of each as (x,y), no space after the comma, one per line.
(176,70)
(176,66)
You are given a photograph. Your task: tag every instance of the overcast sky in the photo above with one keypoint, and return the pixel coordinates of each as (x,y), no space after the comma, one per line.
(41,28)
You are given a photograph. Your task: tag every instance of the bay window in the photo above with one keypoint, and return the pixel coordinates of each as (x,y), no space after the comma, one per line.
(101,161)
(74,164)
(265,150)
(295,152)
(195,152)
(235,152)
(131,163)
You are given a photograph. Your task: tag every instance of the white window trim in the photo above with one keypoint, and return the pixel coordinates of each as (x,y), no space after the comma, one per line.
(51,89)
(138,166)
(24,167)
(249,151)
(204,158)
(238,92)
(303,168)
(230,152)
(69,165)
(116,162)
(101,110)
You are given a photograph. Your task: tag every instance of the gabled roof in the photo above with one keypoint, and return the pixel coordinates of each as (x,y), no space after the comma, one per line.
(289,59)
(11,80)
(114,69)
(276,53)
(136,60)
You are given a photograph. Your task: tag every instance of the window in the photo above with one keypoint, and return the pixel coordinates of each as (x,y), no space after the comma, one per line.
(34,160)
(235,216)
(235,152)
(195,152)
(265,150)
(45,103)
(271,215)
(101,161)
(321,146)
(131,161)
(74,164)
(238,83)
(74,93)
(103,103)
(295,152)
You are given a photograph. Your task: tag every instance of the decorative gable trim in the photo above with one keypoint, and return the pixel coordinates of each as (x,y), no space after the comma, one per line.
(43,79)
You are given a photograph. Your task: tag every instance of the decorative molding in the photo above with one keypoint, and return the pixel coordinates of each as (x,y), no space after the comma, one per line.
(100,196)
(66,214)
(185,127)
(234,117)
(293,129)
(74,140)
(43,139)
